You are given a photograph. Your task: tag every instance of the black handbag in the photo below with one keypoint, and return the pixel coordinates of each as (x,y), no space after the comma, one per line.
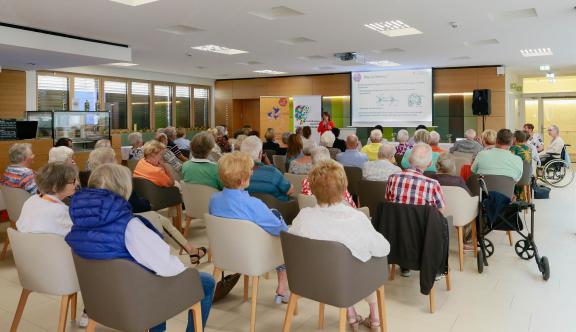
(225,285)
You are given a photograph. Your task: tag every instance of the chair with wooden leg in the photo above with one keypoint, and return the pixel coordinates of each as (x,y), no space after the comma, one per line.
(323,271)
(196,199)
(160,198)
(14,199)
(44,263)
(463,209)
(525,181)
(122,295)
(241,246)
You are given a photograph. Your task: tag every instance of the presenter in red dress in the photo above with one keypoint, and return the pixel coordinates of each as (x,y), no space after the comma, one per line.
(326,124)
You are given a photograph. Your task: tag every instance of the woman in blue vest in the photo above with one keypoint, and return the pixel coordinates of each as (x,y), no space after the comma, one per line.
(105,228)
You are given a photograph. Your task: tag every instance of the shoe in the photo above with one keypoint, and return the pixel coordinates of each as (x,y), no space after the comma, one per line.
(468,248)
(440,277)
(83,321)
(374,326)
(405,273)
(355,324)
(279,299)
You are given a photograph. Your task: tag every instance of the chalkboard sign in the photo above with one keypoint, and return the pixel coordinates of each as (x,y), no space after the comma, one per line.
(8,129)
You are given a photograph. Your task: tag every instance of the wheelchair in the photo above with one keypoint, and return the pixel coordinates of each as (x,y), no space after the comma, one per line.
(556,171)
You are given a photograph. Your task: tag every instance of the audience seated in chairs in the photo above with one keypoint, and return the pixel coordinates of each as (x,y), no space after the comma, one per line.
(136,152)
(18,173)
(105,228)
(352,157)
(554,149)
(294,150)
(411,186)
(402,137)
(499,160)
(371,149)
(303,164)
(167,155)
(171,135)
(339,144)
(265,179)
(200,170)
(468,144)
(318,155)
(421,136)
(381,169)
(234,202)
(62,154)
(488,139)
(182,142)
(331,220)
(270,143)
(153,166)
(222,139)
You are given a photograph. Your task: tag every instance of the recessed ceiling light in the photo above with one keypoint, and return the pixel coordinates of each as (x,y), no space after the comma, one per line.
(536,52)
(545,67)
(275,13)
(123,64)
(180,29)
(383,63)
(250,63)
(219,49)
(296,40)
(394,28)
(482,42)
(133,3)
(270,72)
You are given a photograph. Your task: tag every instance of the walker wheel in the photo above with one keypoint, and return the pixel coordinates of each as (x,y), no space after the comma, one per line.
(489,247)
(480,261)
(524,249)
(544,267)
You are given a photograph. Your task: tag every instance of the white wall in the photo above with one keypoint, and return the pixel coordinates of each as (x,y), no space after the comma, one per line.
(514,117)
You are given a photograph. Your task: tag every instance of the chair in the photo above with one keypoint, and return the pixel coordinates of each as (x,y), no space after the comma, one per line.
(305,201)
(371,193)
(322,271)
(250,251)
(270,154)
(296,181)
(459,162)
(131,164)
(44,264)
(196,199)
(526,180)
(14,199)
(333,152)
(279,162)
(160,197)
(122,295)
(465,155)
(288,209)
(463,209)
(354,175)
(398,158)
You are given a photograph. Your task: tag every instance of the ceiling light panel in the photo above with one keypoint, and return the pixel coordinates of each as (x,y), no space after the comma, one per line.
(531,52)
(390,51)
(270,72)
(250,63)
(275,13)
(123,64)
(218,49)
(482,42)
(394,28)
(515,14)
(383,63)
(545,67)
(133,3)
(180,29)
(296,40)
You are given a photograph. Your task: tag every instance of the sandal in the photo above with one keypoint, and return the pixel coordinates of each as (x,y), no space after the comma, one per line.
(195,258)
(355,324)
(374,326)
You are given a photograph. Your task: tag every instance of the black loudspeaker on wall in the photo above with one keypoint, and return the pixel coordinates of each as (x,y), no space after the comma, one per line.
(481,102)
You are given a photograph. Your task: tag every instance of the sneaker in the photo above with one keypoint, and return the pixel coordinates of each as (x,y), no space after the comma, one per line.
(405,273)
(279,299)
(440,276)
(83,321)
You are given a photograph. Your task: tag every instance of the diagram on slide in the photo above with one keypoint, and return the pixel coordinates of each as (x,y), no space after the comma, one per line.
(387,101)
(415,100)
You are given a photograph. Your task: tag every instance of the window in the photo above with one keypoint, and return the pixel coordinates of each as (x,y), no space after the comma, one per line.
(115,94)
(141,105)
(52,93)
(85,94)
(162,106)
(201,107)
(182,106)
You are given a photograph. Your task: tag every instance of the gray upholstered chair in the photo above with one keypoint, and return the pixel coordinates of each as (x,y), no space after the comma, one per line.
(122,295)
(196,199)
(296,181)
(288,209)
(525,181)
(279,162)
(131,164)
(160,198)
(371,193)
(322,270)
(354,175)
(14,199)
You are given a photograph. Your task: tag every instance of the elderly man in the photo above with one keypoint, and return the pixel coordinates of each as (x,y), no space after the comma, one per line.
(172,135)
(421,136)
(381,169)
(371,150)
(555,147)
(352,157)
(168,156)
(18,174)
(499,160)
(468,144)
(265,178)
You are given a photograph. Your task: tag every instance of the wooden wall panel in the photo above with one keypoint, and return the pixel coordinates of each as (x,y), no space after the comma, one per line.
(498,103)
(289,86)
(12,94)
(492,122)
(249,89)
(331,85)
(223,102)
(488,79)
(455,80)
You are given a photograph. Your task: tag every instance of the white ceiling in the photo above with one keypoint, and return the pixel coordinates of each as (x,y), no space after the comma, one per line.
(334,25)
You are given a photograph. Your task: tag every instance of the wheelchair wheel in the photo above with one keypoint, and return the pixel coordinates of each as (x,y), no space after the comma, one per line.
(489,247)
(557,174)
(524,249)
(480,261)
(544,267)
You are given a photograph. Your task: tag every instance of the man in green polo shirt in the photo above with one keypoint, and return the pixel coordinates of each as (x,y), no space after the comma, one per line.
(200,170)
(499,160)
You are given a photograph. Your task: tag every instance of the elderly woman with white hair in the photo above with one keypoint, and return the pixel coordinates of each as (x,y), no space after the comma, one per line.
(381,169)
(135,139)
(18,174)
(402,137)
(421,136)
(371,150)
(302,164)
(96,158)
(446,167)
(61,154)
(469,144)
(222,139)
(434,141)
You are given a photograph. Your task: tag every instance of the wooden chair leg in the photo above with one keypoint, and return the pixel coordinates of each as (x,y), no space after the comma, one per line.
(509,237)
(186,226)
(209,255)
(392,272)
(216,273)
(432,297)
(321,316)
(290,312)
(254,299)
(382,309)
(91,325)
(246,287)
(342,323)
(448,279)
(474,240)
(460,246)
(4,249)
(20,309)
(267,275)
(197,316)
(73,306)
(63,313)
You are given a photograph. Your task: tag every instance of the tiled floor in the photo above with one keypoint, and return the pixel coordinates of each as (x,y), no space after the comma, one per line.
(509,296)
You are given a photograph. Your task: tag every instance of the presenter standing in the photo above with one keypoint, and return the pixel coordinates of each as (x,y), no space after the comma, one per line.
(326,124)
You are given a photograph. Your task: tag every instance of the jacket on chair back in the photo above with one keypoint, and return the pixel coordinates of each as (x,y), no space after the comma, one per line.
(418,236)
(100,218)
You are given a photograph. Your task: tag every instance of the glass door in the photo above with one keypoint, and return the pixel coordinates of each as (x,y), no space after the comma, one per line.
(562,113)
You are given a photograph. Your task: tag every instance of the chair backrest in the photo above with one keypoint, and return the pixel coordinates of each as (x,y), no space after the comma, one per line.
(354,175)
(44,263)
(526,173)
(196,199)
(459,205)
(459,162)
(465,155)
(242,246)
(279,162)
(159,197)
(2,203)
(156,219)
(398,158)
(371,193)
(270,154)
(323,270)
(131,164)
(499,183)
(305,201)
(288,209)
(121,294)
(296,181)
(14,199)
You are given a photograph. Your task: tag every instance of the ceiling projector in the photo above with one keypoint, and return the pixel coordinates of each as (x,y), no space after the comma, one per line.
(346,56)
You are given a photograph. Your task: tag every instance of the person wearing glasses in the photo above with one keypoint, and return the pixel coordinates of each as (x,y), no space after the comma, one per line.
(555,147)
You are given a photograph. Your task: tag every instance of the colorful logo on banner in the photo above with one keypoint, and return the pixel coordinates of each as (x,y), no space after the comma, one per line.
(301,114)
(283,101)
(275,114)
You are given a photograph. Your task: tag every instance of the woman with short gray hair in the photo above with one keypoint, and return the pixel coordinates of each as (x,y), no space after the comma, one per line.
(381,169)
(402,137)
(135,139)
(446,174)
(61,154)
(19,174)
(199,169)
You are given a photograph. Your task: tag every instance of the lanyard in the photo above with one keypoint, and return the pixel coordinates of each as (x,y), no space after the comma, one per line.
(50,199)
